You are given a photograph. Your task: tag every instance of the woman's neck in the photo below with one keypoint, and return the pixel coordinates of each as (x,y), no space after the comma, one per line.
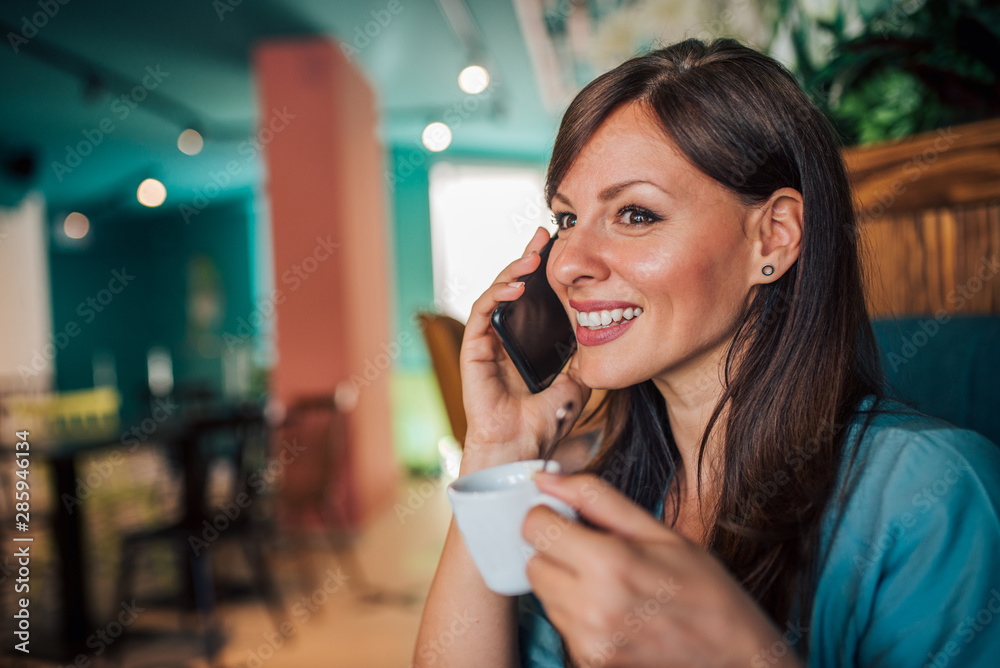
(691,395)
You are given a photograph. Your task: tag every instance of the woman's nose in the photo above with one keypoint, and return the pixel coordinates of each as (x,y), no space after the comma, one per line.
(577,258)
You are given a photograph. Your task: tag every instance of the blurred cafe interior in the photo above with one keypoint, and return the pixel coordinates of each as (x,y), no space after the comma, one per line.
(239,240)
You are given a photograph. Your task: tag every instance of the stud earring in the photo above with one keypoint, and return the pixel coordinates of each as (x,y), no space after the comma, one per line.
(767,270)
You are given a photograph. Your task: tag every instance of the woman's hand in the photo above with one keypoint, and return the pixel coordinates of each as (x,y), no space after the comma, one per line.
(506,421)
(639,594)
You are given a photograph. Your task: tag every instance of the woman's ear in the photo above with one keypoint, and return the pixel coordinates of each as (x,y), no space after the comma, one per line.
(776,235)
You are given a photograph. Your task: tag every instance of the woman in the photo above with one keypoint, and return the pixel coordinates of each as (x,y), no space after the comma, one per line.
(755,500)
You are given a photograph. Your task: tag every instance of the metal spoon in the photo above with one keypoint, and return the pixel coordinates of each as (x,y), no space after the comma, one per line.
(561,415)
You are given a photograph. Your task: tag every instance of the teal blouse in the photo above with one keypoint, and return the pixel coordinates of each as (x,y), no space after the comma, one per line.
(912,576)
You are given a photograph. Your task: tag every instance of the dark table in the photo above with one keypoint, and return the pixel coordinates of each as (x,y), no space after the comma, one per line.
(180,434)
(74,621)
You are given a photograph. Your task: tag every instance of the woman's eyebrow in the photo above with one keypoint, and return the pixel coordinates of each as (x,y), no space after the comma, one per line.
(610,192)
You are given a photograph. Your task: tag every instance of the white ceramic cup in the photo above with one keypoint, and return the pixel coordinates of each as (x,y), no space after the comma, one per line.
(490,507)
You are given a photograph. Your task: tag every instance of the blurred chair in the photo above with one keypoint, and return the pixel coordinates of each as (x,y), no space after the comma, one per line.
(948,370)
(443,335)
(308,502)
(253,524)
(313,493)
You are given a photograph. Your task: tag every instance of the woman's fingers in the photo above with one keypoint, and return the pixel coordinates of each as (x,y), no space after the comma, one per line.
(528,262)
(556,587)
(562,541)
(538,241)
(506,287)
(603,505)
(568,387)
(482,309)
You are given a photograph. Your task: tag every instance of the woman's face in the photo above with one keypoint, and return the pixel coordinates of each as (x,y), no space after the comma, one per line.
(640,227)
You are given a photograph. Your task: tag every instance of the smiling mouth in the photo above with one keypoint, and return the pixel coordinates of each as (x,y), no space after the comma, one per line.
(596,320)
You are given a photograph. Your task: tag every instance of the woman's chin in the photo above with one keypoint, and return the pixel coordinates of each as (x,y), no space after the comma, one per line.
(602,377)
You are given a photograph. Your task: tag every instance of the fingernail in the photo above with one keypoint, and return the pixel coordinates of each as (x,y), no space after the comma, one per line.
(529,254)
(515,284)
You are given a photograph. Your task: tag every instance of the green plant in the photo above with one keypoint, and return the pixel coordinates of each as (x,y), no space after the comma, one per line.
(915,66)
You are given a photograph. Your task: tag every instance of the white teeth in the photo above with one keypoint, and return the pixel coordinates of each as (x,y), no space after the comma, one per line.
(601,319)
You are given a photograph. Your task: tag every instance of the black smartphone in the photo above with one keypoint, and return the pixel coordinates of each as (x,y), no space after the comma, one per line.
(535,330)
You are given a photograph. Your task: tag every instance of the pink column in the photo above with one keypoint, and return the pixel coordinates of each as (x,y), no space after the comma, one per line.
(325,184)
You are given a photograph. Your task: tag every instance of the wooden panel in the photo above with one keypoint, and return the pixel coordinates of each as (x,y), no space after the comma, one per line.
(956,165)
(945,259)
(930,221)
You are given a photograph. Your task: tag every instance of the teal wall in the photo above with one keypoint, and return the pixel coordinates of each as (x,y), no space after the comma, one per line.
(155,247)
(411,219)
(418,418)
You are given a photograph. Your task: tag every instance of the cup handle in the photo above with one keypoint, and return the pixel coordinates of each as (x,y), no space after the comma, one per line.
(555,504)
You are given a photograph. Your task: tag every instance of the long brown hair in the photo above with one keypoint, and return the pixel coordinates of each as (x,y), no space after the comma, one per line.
(804,356)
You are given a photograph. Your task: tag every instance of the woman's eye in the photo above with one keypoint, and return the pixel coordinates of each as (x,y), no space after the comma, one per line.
(633,215)
(564,220)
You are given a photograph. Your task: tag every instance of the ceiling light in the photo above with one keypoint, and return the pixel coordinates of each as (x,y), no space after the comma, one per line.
(474,79)
(76,225)
(436,137)
(190,142)
(151,193)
